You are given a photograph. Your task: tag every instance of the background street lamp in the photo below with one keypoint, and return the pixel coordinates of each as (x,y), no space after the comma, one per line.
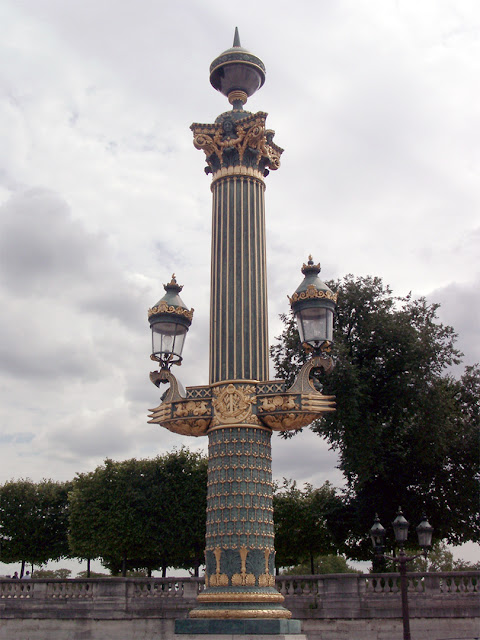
(400,528)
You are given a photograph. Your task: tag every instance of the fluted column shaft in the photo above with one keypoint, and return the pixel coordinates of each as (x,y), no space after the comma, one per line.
(238,314)
(239,572)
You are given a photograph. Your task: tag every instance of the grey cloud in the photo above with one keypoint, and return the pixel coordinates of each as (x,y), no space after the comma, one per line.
(91,434)
(29,360)
(305,458)
(45,253)
(460,308)
(42,250)
(23,437)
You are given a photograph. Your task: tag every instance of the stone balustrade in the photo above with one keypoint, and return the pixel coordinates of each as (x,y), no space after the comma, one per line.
(442,605)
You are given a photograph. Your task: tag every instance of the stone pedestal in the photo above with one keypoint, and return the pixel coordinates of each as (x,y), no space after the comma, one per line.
(229,629)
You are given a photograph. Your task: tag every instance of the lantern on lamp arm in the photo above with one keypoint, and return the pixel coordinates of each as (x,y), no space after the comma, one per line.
(169,321)
(313,305)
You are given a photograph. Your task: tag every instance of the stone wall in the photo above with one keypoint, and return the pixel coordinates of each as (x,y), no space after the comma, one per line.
(442,606)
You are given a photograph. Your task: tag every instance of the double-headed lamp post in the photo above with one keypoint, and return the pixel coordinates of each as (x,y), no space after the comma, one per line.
(240,408)
(400,528)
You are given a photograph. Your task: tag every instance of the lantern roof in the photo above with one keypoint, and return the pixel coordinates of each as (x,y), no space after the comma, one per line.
(171,302)
(312,286)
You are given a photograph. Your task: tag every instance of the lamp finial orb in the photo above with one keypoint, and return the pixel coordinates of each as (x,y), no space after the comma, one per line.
(237,70)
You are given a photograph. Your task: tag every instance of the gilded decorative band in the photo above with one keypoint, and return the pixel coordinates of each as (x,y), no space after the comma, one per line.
(225,614)
(240,597)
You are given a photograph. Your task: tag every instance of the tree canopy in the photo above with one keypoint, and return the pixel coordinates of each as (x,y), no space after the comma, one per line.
(301,520)
(406,430)
(330,563)
(33,521)
(141,513)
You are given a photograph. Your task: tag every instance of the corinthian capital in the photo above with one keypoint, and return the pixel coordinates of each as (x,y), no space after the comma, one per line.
(234,141)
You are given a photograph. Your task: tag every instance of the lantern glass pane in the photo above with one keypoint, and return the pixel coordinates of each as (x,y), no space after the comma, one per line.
(377,534)
(315,325)
(425,531)
(400,528)
(167,338)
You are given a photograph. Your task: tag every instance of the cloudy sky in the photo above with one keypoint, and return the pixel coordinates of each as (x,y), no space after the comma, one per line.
(103,196)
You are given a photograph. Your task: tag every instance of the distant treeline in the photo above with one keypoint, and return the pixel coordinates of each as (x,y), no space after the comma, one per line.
(146,515)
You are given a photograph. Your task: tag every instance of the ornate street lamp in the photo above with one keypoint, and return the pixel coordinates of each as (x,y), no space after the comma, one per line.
(240,407)
(313,304)
(169,321)
(400,528)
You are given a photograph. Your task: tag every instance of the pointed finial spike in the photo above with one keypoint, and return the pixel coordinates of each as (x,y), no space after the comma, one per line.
(236,38)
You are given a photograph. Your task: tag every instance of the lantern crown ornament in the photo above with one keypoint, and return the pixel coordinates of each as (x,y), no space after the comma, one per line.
(313,304)
(169,321)
(237,73)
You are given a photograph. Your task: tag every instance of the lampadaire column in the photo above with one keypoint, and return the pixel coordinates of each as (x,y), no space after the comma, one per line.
(239,541)
(240,408)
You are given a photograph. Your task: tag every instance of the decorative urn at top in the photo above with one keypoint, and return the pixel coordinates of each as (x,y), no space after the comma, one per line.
(169,321)
(237,73)
(313,304)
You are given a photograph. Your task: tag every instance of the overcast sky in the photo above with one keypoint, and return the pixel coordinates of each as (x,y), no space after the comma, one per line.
(103,196)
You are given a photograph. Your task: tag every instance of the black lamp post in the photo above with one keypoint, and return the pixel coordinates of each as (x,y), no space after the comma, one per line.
(400,528)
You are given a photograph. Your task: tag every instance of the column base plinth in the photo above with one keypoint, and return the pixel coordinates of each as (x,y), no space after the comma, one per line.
(242,627)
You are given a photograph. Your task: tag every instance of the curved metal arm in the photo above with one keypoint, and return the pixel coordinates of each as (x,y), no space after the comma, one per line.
(402,558)
(173,393)
(303,383)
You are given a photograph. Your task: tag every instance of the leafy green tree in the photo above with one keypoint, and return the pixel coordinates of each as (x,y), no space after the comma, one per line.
(301,523)
(110,513)
(440,558)
(405,430)
(182,499)
(62,574)
(33,521)
(91,574)
(322,564)
(141,514)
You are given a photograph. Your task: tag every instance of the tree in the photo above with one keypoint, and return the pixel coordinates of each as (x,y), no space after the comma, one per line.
(110,514)
(141,514)
(301,523)
(33,521)
(62,574)
(406,431)
(440,558)
(182,500)
(322,565)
